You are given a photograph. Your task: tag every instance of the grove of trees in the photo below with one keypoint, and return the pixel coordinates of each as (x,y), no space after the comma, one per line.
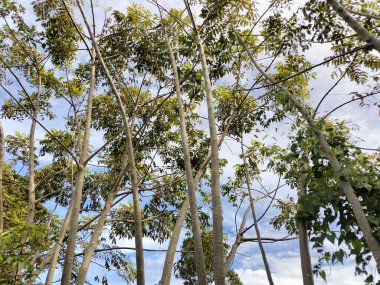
(116,123)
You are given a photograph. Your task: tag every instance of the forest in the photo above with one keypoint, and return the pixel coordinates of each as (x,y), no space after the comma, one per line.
(190,142)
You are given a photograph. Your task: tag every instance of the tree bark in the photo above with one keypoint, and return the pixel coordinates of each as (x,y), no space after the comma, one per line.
(52,257)
(2,152)
(77,193)
(255,222)
(372,242)
(130,149)
(307,271)
(363,34)
(91,247)
(235,245)
(169,259)
(217,218)
(31,171)
(196,228)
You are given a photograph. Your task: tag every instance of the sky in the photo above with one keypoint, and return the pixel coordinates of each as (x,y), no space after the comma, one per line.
(284,256)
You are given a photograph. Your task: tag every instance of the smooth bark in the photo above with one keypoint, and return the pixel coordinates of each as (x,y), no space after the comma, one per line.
(52,256)
(217,217)
(169,259)
(31,206)
(76,197)
(307,270)
(196,228)
(363,34)
(255,222)
(372,242)
(31,171)
(239,235)
(130,149)
(91,247)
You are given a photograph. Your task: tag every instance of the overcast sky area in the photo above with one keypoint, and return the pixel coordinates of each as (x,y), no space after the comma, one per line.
(283,256)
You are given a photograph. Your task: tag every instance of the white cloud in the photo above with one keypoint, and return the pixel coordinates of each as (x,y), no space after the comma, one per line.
(286,270)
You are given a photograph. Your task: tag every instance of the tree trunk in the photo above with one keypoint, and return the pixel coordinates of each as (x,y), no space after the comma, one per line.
(372,242)
(363,34)
(2,152)
(77,193)
(169,259)
(237,242)
(307,271)
(54,253)
(255,222)
(90,249)
(196,228)
(52,256)
(31,173)
(132,163)
(217,218)
(31,179)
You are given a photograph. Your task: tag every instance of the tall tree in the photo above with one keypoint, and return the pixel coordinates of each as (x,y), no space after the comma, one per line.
(131,164)
(217,216)
(255,220)
(362,220)
(199,256)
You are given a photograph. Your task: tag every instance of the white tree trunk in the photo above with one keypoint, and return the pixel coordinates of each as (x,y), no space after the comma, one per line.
(130,149)
(196,228)
(77,193)
(307,270)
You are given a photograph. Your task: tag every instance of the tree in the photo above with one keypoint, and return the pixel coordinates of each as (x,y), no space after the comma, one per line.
(138,115)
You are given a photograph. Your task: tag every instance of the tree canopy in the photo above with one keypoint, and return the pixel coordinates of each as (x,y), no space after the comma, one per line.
(199,133)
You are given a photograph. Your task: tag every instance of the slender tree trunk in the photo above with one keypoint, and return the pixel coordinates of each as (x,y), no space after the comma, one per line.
(219,273)
(237,242)
(372,242)
(196,228)
(2,152)
(77,193)
(307,271)
(363,34)
(255,222)
(132,163)
(217,218)
(91,247)
(31,173)
(52,258)
(169,259)
(31,179)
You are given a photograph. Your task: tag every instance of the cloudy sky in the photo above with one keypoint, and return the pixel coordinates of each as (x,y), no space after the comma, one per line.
(283,257)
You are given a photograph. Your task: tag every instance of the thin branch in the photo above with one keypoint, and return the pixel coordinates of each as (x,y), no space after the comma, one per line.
(335,84)
(370,16)
(267,239)
(353,100)
(42,126)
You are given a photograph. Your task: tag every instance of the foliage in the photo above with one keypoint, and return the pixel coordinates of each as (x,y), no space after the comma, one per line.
(326,209)
(45,70)
(185,266)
